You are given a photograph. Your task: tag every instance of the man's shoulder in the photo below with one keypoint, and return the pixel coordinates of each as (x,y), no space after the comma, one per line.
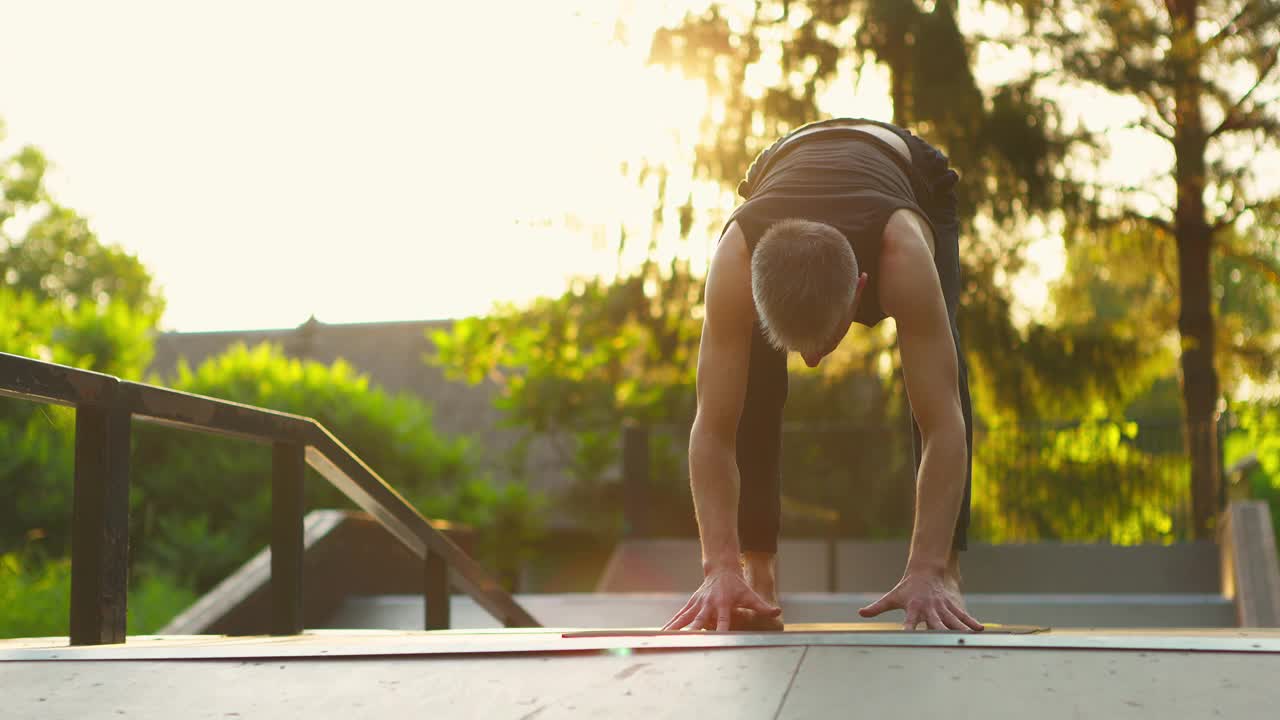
(728,294)
(908,273)
(733,244)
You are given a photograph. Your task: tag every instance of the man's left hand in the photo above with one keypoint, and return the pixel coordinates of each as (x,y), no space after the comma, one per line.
(927,599)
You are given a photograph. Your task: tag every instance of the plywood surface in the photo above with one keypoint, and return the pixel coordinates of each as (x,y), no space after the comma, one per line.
(320,644)
(698,684)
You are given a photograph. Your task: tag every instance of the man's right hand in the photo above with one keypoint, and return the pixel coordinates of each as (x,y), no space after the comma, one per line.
(712,605)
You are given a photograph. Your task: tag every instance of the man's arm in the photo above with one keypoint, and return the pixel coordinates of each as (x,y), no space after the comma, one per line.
(931,373)
(911,293)
(723,360)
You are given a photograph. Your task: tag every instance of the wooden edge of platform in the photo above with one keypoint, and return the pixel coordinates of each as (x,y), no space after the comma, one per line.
(332,645)
(812,628)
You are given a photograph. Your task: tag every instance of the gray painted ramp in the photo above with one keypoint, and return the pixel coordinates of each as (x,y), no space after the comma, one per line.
(810,681)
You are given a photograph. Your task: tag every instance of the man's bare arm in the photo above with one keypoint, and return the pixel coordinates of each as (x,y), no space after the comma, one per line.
(911,293)
(723,358)
(713,463)
(929,367)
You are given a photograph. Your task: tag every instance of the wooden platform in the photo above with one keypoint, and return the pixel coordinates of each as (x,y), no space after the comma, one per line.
(342,643)
(812,672)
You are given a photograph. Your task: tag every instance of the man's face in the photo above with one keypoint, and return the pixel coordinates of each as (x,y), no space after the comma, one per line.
(812,359)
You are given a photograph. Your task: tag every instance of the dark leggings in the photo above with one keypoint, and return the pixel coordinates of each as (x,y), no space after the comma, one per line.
(760,429)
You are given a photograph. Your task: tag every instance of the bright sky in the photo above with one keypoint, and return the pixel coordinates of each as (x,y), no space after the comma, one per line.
(358,161)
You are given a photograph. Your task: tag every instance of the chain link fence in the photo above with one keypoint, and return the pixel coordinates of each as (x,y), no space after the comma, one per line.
(1124,482)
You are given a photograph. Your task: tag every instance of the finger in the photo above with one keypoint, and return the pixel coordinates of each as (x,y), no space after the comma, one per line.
(966,618)
(682,619)
(932,620)
(723,616)
(693,600)
(688,604)
(679,620)
(704,617)
(884,603)
(950,620)
(913,619)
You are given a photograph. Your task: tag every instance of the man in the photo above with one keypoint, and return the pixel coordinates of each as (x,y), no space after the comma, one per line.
(844,221)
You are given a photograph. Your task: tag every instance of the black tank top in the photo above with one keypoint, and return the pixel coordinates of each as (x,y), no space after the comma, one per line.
(846,178)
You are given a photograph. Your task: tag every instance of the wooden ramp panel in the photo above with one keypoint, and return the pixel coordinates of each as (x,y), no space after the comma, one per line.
(810,681)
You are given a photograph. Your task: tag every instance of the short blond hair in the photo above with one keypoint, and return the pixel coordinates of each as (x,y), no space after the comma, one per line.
(803,279)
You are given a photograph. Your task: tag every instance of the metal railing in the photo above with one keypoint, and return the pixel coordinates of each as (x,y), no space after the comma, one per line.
(105,408)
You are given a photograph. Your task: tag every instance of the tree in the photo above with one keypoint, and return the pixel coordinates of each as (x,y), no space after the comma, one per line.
(38,441)
(1007,142)
(573,368)
(68,299)
(1010,142)
(49,250)
(1200,71)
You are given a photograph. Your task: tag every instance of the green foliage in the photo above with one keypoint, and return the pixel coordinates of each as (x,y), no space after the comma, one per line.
(1059,370)
(66,298)
(574,368)
(1247,286)
(1007,142)
(36,469)
(200,505)
(508,518)
(109,338)
(35,597)
(1195,75)
(600,352)
(154,601)
(1105,293)
(49,250)
(1096,481)
(1257,433)
(1260,435)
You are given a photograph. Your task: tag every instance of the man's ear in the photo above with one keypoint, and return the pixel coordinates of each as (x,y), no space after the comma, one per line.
(857,294)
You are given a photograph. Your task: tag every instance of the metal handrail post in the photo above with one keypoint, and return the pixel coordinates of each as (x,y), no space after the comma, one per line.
(100,526)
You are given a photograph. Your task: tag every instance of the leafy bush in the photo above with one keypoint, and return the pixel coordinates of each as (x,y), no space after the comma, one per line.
(38,440)
(1098,481)
(1258,433)
(201,506)
(35,597)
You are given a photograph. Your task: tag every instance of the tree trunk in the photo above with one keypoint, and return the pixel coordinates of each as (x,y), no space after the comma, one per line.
(1195,243)
(898,89)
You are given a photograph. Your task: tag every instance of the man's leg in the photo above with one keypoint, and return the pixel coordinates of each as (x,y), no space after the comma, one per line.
(759,456)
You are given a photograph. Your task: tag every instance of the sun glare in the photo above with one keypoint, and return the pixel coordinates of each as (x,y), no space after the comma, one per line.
(377,161)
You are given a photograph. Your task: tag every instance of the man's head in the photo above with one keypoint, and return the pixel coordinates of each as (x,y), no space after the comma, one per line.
(805,282)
